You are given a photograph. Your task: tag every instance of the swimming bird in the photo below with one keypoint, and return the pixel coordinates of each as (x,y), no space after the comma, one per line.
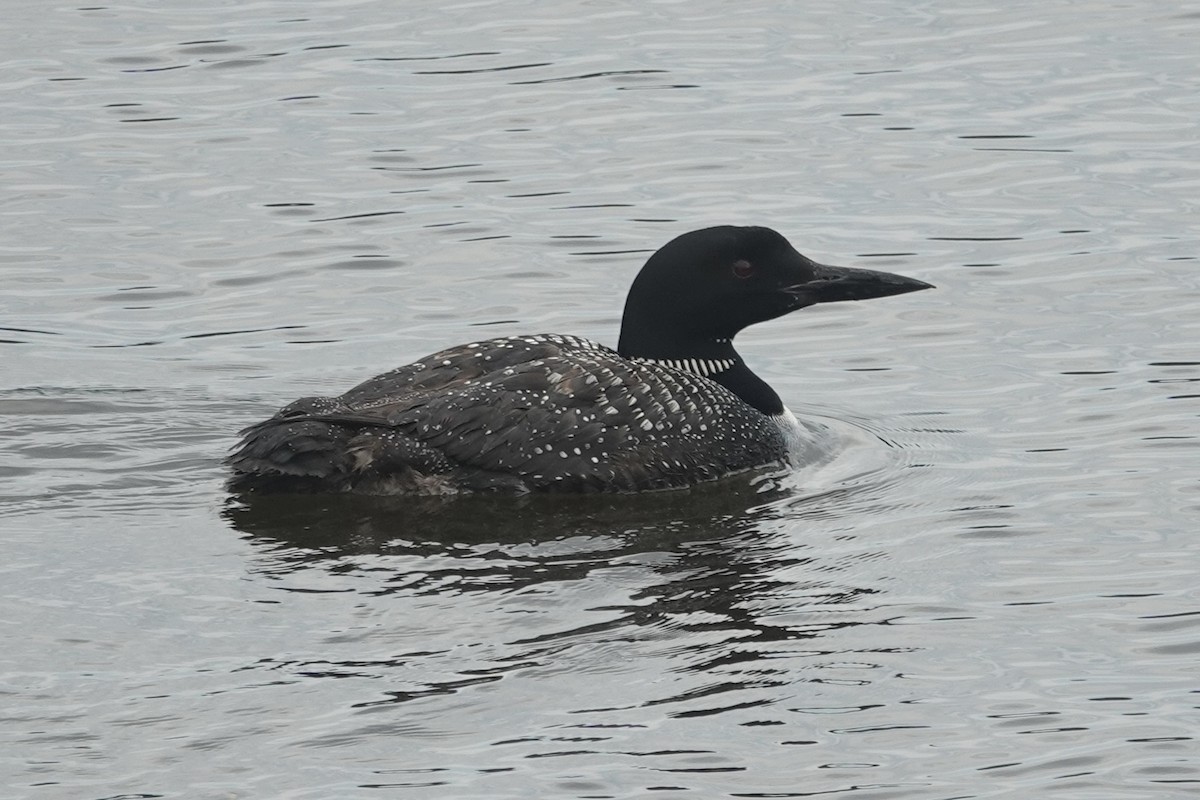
(673,405)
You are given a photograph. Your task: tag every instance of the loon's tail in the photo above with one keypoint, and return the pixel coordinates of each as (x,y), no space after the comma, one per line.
(344,453)
(293,456)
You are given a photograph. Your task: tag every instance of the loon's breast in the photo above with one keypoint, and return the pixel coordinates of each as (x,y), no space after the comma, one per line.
(523,413)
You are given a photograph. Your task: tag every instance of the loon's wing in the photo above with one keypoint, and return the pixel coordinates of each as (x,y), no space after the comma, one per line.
(580,420)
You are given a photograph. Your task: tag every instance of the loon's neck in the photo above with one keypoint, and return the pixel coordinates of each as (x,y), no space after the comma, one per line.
(751,388)
(716,360)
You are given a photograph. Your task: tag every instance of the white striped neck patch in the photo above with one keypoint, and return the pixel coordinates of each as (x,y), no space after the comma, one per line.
(697,366)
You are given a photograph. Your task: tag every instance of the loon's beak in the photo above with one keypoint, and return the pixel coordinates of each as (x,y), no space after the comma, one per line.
(832,284)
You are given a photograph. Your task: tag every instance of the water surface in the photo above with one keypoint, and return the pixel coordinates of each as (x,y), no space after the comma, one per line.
(985,589)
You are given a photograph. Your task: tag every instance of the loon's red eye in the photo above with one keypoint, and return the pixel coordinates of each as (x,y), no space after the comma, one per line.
(742,269)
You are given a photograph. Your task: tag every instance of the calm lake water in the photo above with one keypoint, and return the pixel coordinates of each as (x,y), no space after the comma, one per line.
(986,587)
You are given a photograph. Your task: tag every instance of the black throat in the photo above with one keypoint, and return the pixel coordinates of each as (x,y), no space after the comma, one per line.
(751,388)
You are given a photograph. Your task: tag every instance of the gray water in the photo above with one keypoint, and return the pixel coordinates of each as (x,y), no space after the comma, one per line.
(984,587)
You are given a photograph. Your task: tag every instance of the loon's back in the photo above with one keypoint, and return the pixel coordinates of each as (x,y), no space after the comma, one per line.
(524,413)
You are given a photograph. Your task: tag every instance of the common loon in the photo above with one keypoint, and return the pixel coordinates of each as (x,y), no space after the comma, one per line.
(672,406)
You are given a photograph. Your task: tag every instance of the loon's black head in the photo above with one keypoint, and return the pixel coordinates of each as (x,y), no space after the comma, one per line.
(703,287)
